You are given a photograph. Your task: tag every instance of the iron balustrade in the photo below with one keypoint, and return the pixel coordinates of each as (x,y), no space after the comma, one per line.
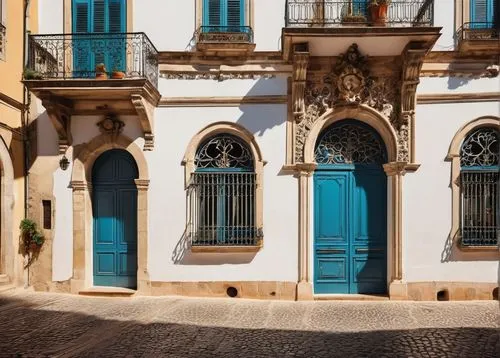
(225,34)
(474,31)
(331,13)
(69,56)
(479,209)
(221,209)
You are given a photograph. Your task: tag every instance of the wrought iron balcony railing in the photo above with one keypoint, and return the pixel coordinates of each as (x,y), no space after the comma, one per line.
(84,56)
(479,31)
(2,39)
(332,13)
(225,34)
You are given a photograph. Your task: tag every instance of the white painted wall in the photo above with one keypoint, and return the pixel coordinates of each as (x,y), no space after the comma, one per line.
(458,85)
(50,16)
(444,16)
(427,197)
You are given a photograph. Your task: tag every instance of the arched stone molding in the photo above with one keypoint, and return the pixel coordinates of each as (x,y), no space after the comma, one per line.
(238,131)
(7,240)
(359,112)
(454,250)
(81,182)
(394,170)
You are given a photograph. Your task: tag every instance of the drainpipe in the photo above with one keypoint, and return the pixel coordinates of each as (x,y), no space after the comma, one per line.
(25,111)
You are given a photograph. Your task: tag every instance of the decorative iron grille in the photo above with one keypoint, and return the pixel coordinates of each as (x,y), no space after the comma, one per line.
(326,13)
(225,34)
(348,144)
(68,56)
(478,31)
(221,209)
(479,160)
(224,152)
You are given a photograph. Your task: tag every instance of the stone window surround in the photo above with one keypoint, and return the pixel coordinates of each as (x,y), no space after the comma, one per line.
(394,170)
(81,182)
(247,137)
(8,243)
(462,252)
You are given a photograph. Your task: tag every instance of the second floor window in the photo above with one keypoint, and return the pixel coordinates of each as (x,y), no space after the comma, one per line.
(98,16)
(484,13)
(223,15)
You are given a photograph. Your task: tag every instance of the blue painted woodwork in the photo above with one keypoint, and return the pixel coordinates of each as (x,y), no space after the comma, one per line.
(96,21)
(350,228)
(224,13)
(483,13)
(115,219)
(359,7)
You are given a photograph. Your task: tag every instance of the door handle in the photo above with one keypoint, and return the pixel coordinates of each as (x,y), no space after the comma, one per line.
(359,251)
(330,251)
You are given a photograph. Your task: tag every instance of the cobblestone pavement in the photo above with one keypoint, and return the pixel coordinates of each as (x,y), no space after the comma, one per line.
(50,325)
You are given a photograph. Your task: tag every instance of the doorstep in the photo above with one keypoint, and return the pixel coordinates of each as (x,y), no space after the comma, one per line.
(105,291)
(350,297)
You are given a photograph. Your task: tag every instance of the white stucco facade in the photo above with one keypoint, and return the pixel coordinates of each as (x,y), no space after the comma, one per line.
(426,192)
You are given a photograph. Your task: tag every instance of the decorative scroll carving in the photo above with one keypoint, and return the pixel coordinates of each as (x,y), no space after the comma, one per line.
(301,60)
(111,125)
(145,112)
(60,116)
(480,149)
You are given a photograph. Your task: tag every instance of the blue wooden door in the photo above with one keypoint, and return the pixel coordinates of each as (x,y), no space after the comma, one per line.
(350,206)
(100,25)
(115,219)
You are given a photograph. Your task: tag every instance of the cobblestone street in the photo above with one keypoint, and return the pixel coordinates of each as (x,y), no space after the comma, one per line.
(49,325)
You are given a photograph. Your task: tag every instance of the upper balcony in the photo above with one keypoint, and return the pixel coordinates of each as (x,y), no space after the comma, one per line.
(94,74)
(478,36)
(91,64)
(382,27)
(225,40)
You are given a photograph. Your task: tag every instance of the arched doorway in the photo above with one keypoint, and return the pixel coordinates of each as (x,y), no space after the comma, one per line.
(115,219)
(350,210)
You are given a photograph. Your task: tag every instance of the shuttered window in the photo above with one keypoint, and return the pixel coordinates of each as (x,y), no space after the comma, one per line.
(98,16)
(224,13)
(484,11)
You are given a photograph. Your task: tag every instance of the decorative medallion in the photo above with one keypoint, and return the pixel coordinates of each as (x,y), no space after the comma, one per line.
(350,73)
(111,125)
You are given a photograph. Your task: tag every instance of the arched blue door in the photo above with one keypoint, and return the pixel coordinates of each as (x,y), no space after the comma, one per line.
(350,220)
(115,219)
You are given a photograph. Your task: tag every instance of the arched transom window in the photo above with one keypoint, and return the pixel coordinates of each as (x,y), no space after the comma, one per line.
(479,168)
(222,194)
(350,142)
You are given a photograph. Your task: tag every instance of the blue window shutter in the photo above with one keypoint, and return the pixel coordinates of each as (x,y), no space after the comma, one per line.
(116,16)
(224,13)
(212,12)
(81,18)
(235,12)
(482,10)
(99,16)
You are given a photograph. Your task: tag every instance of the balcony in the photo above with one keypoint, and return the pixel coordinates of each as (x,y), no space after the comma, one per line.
(94,74)
(478,36)
(225,40)
(381,32)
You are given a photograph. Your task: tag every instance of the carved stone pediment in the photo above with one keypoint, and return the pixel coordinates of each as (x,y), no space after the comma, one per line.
(350,74)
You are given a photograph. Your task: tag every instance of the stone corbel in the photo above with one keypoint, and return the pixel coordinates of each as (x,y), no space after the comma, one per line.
(300,63)
(145,111)
(59,111)
(412,58)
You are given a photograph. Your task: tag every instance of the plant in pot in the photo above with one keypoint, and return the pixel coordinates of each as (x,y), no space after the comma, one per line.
(100,71)
(378,11)
(31,241)
(117,74)
(30,74)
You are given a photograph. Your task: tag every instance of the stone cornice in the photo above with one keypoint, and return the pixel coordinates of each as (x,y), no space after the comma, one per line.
(458,97)
(221,101)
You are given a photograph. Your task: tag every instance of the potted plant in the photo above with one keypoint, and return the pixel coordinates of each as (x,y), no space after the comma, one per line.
(117,74)
(31,241)
(30,74)
(100,71)
(378,11)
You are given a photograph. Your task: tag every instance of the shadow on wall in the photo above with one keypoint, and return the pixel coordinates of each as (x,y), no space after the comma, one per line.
(456,82)
(187,329)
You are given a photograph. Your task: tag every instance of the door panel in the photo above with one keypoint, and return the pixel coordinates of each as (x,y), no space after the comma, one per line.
(350,231)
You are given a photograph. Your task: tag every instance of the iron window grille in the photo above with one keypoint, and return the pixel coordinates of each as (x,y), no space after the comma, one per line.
(479,177)
(221,195)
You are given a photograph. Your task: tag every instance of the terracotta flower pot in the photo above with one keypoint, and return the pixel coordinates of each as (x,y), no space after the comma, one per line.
(101,76)
(118,75)
(379,14)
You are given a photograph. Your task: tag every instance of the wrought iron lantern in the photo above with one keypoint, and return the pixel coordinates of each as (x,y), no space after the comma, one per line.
(64,163)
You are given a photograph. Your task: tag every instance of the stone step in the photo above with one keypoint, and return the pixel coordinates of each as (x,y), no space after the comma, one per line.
(4,279)
(7,287)
(103,291)
(351,297)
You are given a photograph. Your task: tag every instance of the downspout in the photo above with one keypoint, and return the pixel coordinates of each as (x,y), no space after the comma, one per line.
(25,111)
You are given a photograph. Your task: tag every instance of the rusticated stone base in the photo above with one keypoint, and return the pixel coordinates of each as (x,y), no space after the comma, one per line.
(443,291)
(245,289)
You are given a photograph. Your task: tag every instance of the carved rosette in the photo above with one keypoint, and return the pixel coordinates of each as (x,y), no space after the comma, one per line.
(111,125)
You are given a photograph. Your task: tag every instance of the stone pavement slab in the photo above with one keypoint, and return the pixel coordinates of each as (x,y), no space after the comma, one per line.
(58,325)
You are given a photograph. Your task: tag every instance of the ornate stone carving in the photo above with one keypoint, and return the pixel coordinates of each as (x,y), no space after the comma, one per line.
(60,117)
(301,60)
(350,74)
(217,76)
(111,125)
(145,111)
